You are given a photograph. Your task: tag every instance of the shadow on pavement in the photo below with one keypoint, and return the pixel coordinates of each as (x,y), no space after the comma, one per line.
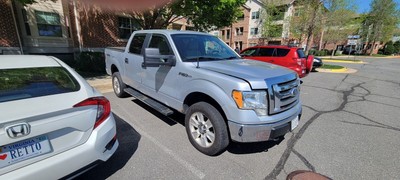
(171,120)
(256,147)
(128,139)
(234,147)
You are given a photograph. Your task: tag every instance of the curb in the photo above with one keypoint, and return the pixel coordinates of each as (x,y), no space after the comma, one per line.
(343,70)
(345,61)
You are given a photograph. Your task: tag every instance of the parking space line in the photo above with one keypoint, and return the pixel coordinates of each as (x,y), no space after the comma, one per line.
(181,161)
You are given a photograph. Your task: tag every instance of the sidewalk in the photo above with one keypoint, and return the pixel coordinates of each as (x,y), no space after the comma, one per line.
(101,83)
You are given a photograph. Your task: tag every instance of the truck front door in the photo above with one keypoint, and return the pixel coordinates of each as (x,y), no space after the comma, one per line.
(161,81)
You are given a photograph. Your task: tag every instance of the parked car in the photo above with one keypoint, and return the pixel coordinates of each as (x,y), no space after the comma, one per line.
(224,98)
(317,62)
(53,123)
(286,56)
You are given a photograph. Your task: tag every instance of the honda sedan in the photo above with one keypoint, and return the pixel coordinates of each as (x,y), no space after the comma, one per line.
(53,124)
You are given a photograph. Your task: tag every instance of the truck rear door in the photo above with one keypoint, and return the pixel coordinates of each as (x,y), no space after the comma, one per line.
(133,60)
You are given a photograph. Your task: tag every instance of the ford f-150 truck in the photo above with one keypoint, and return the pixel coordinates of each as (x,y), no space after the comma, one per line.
(224,98)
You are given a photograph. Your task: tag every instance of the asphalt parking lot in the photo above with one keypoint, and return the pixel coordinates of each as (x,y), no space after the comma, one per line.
(349,129)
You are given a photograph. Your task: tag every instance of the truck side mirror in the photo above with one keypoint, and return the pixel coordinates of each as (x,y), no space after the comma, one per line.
(153,58)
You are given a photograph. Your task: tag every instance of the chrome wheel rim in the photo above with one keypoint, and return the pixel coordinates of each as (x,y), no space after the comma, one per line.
(202,129)
(116,85)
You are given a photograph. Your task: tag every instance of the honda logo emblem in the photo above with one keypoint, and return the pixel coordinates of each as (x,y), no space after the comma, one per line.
(18,130)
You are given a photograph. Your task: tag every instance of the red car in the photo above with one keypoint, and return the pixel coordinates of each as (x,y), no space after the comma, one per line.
(290,57)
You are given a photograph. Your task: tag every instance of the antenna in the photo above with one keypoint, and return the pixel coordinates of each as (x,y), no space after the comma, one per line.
(198,62)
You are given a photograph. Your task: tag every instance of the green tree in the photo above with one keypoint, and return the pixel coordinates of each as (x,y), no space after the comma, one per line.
(339,21)
(310,17)
(270,14)
(202,14)
(380,22)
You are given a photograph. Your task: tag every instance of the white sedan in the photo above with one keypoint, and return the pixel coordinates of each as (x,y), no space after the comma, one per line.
(53,124)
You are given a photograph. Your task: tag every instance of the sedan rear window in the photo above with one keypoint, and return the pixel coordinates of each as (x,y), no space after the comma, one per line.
(26,83)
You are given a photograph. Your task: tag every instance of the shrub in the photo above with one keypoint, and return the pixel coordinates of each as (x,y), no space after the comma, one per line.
(397,47)
(389,48)
(91,62)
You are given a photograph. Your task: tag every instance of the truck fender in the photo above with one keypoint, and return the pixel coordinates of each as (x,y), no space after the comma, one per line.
(210,89)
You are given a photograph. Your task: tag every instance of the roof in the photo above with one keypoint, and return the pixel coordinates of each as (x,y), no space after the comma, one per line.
(27,61)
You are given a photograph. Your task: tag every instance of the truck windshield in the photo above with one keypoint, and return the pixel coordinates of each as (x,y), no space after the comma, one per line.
(193,47)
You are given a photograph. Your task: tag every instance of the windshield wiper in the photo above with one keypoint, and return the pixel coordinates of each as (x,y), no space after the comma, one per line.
(232,57)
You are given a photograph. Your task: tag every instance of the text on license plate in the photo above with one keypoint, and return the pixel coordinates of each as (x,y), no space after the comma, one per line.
(294,123)
(23,150)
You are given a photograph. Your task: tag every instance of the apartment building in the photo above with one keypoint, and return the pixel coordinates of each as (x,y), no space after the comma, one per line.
(64,27)
(251,24)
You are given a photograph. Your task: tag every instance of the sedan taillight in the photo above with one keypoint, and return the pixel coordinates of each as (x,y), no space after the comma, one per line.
(103,108)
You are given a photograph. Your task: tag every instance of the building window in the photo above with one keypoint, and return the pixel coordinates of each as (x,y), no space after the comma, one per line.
(26,23)
(241,17)
(48,24)
(253,31)
(279,14)
(239,31)
(222,33)
(228,34)
(126,26)
(255,15)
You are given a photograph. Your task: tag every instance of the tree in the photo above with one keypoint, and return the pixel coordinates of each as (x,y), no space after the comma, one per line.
(304,25)
(339,21)
(202,14)
(381,21)
(270,14)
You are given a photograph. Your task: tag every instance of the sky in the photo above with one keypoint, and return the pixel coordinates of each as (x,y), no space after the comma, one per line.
(364,5)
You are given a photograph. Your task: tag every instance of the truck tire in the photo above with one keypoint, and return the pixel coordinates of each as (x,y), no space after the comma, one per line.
(206,128)
(118,85)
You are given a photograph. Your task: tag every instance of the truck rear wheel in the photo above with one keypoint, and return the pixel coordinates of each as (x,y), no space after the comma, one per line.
(118,85)
(206,129)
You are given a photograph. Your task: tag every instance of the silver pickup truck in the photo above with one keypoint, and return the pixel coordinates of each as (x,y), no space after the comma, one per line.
(223,97)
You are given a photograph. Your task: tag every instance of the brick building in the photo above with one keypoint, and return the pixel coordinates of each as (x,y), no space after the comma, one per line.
(9,42)
(64,27)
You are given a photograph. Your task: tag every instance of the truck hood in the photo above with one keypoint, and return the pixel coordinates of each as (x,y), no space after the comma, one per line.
(256,73)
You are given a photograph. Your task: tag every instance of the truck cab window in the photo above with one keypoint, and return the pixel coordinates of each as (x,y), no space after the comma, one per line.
(160,42)
(137,44)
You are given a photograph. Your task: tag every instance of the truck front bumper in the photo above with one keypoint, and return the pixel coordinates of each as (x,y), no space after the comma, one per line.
(260,132)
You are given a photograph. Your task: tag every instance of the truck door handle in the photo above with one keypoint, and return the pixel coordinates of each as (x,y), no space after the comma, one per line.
(126,61)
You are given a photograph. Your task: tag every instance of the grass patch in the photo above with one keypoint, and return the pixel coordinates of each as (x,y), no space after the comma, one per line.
(379,55)
(330,66)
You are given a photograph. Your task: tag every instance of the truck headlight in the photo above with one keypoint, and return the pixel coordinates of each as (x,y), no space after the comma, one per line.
(251,100)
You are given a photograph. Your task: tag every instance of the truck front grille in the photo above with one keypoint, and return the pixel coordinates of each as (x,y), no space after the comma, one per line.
(282,96)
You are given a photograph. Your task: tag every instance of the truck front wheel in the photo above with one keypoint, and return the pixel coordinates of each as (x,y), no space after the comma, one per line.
(118,85)
(206,129)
